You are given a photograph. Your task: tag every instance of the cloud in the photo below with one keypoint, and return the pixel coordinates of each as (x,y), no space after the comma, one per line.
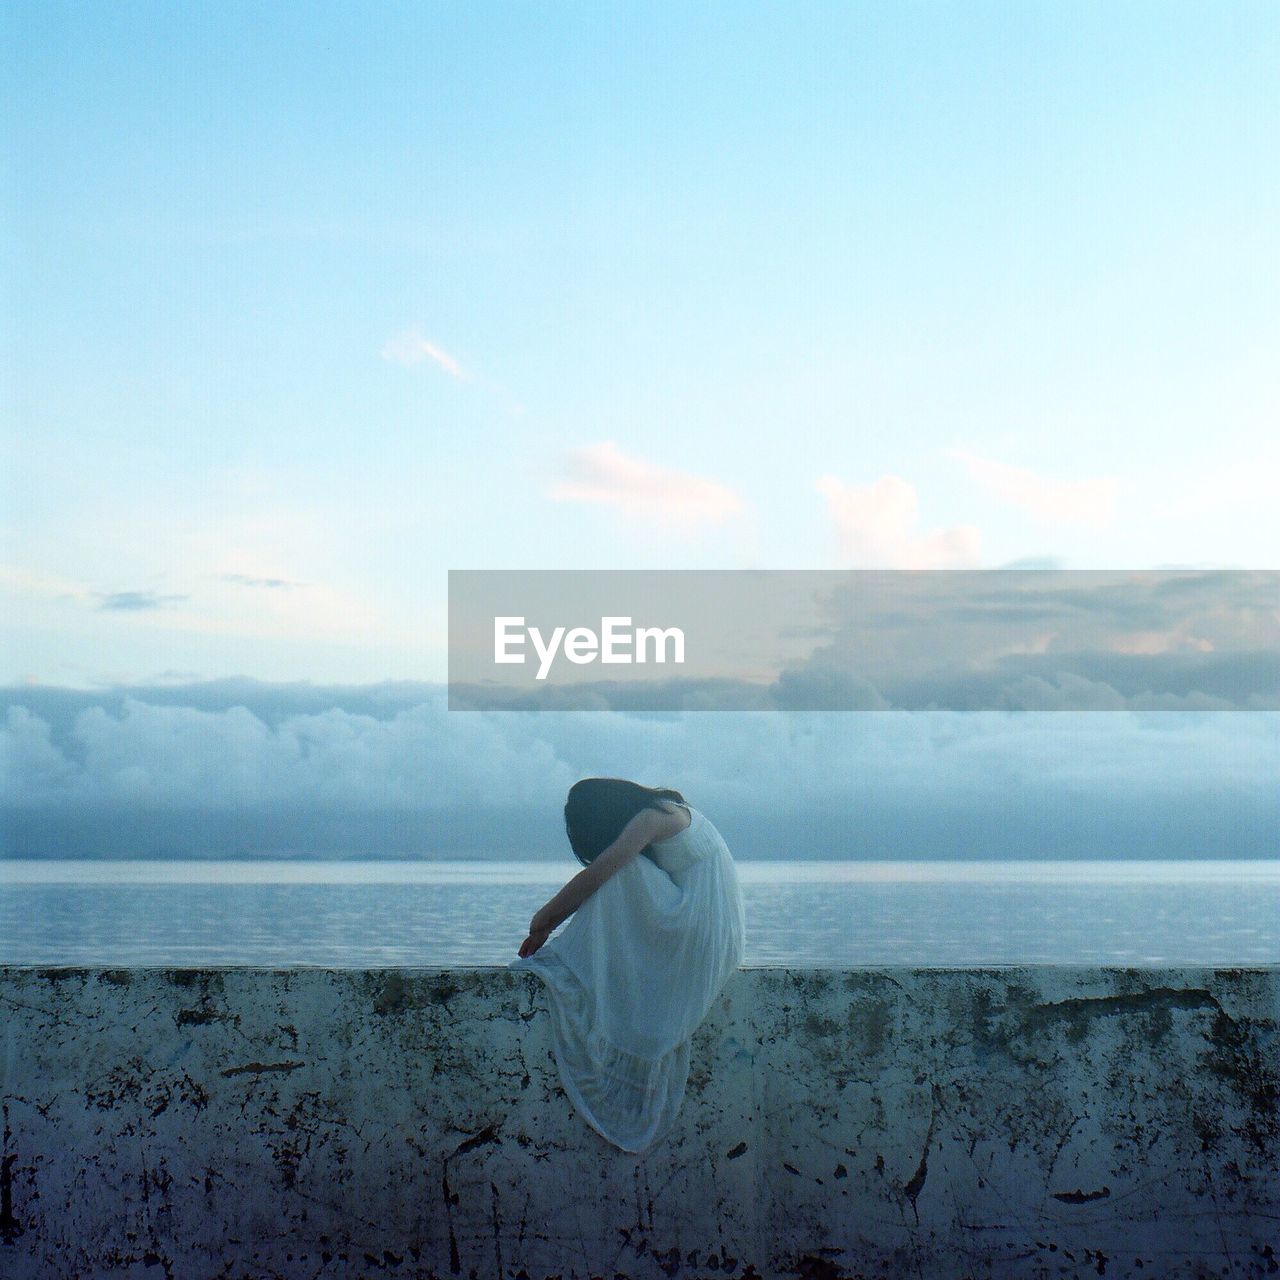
(248,580)
(243,766)
(135,600)
(876,527)
(1025,680)
(1035,641)
(243,553)
(602,473)
(410,348)
(1087,502)
(154,750)
(1034,562)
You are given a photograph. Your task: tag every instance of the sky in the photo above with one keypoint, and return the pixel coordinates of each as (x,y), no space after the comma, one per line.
(311,303)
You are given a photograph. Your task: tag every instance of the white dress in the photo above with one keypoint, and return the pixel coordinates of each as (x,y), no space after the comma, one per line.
(632,974)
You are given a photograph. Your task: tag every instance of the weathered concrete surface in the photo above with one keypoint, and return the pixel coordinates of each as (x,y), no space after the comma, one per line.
(1039,1121)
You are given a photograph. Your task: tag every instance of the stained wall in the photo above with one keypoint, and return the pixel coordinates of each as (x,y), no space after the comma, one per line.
(1038,1121)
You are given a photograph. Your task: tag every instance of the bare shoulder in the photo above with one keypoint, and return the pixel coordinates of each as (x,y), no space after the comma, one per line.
(672,819)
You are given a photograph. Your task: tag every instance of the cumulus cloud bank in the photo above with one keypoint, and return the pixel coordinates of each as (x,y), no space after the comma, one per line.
(83,767)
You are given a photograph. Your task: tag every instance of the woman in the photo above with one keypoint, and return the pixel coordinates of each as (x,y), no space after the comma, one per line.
(657,929)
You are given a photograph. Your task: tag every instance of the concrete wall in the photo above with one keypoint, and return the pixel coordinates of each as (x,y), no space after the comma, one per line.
(1040,1121)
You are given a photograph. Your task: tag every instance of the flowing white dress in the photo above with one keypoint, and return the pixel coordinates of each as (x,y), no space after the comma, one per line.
(632,974)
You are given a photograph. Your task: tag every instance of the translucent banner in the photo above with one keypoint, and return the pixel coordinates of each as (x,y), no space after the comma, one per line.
(864,640)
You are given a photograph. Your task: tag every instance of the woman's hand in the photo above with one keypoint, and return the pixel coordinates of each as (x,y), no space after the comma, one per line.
(539,930)
(535,939)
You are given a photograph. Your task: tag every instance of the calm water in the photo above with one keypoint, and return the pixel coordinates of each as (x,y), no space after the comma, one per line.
(798,913)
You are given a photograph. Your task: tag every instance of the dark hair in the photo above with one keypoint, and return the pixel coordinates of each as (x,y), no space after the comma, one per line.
(598,808)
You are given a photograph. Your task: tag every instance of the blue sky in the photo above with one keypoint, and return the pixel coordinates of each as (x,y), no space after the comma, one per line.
(315,302)
(310,304)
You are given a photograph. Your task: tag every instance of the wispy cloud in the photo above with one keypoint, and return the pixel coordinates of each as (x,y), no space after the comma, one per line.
(876,525)
(134,600)
(243,553)
(1087,502)
(248,580)
(1034,562)
(602,473)
(410,348)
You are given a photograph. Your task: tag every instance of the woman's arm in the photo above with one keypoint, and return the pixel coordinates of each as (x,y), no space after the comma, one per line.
(648,825)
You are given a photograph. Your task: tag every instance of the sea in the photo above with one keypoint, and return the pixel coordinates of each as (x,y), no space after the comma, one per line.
(468,912)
